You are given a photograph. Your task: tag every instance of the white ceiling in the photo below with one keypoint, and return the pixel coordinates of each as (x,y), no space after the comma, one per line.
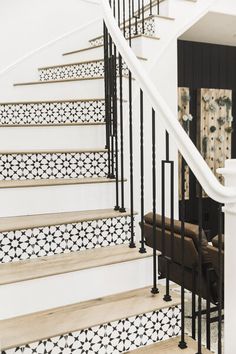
(213,28)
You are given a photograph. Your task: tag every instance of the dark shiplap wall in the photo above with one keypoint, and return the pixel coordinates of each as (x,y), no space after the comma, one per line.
(203,65)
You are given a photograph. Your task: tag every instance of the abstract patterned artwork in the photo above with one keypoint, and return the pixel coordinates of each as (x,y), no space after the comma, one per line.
(51,240)
(43,113)
(111,338)
(51,165)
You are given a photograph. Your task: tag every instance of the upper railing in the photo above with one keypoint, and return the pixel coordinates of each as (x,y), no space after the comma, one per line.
(192,156)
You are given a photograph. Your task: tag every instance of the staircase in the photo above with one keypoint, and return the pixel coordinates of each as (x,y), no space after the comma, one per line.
(70,283)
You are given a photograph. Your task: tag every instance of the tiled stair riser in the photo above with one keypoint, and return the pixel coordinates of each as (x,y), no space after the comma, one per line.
(111,338)
(149,30)
(31,166)
(51,240)
(93,69)
(47,113)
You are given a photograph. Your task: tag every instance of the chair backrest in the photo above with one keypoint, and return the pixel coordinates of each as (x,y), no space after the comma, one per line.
(191,240)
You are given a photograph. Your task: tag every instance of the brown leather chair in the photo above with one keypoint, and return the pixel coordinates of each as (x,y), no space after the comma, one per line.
(191,259)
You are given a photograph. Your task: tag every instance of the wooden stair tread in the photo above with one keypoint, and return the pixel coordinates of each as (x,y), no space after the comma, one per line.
(80,62)
(43,220)
(53,182)
(52,101)
(62,80)
(57,81)
(51,151)
(54,322)
(35,125)
(41,267)
(170,346)
(101,45)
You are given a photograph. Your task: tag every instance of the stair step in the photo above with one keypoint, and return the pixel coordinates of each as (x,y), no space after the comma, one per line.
(70,112)
(150,30)
(89,79)
(35,236)
(42,220)
(93,48)
(48,165)
(170,346)
(29,83)
(80,70)
(118,322)
(14,272)
(53,182)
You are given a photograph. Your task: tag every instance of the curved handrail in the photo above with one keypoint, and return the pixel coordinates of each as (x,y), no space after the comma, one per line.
(194,159)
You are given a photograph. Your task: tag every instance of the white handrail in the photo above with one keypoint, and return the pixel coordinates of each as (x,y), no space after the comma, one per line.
(197,164)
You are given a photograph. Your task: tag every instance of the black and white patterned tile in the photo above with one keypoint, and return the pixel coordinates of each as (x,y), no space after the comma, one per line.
(57,239)
(93,69)
(43,113)
(51,165)
(112,338)
(149,30)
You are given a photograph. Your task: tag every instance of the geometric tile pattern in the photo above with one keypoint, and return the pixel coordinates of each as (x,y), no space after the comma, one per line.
(50,165)
(93,69)
(43,113)
(111,338)
(57,239)
(149,30)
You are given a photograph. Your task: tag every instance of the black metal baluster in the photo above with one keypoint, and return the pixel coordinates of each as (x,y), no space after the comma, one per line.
(194,303)
(154,289)
(220,262)
(132,244)
(158,7)
(117,207)
(208,312)
(166,258)
(150,7)
(124,19)
(143,17)
(122,207)
(130,16)
(139,8)
(142,248)
(112,175)
(182,343)
(107,109)
(200,270)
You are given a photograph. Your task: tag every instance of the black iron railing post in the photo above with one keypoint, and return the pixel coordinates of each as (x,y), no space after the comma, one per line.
(182,343)
(142,248)
(166,258)
(200,270)
(154,288)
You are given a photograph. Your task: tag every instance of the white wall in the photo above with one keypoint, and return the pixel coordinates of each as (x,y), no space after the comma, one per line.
(26,25)
(225,7)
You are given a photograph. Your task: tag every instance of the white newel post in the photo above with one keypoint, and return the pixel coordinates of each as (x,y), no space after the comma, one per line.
(229,173)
